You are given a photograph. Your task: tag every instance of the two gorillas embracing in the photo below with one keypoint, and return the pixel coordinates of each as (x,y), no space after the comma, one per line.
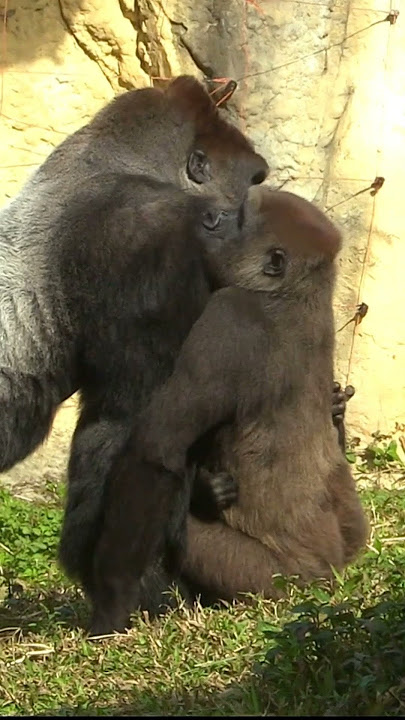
(193,311)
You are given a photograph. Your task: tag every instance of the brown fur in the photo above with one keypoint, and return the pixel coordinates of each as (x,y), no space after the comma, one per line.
(259,364)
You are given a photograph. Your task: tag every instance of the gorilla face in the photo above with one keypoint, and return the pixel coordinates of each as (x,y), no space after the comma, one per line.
(227,177)
(218,160)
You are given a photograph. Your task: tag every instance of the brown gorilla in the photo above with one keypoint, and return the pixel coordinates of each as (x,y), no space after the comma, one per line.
(250,396)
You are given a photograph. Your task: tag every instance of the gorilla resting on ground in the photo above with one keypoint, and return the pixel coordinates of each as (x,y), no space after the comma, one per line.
(249,400)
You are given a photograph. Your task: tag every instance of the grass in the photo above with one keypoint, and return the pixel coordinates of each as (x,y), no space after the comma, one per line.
(334,649)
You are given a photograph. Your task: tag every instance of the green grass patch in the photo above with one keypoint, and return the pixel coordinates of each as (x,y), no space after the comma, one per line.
(334,649)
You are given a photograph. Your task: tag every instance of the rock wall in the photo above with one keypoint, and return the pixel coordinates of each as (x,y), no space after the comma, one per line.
(321,93)
(333,120)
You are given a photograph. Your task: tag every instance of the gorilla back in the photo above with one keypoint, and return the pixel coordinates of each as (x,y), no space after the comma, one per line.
(176,137)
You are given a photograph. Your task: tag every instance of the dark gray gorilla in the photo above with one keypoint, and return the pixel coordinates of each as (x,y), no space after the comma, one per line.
(103,272)
(175,137)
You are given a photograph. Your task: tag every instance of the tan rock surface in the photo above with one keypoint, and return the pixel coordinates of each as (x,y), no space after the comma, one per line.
(323,98)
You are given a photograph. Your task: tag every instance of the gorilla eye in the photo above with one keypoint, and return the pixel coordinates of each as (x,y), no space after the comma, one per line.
(198,167)
(276,263)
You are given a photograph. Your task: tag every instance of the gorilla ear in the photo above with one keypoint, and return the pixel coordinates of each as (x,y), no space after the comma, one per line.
(186,86)
(198,167)
(190,96)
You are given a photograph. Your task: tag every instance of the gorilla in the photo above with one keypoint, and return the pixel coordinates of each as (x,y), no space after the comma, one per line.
(104,270)
(248,406)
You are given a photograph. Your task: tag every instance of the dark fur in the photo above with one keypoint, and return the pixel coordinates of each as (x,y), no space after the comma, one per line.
(258,368)
(155,267)
(103,272)
(142,132)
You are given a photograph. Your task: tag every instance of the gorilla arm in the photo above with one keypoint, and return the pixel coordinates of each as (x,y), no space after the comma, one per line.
(219,359)
(226,562)
(206,385)
(37,371)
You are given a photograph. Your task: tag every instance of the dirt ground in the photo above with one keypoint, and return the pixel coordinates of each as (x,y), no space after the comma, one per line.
(31,479)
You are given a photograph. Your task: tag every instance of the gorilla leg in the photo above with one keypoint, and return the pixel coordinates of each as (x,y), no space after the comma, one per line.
(95,445)
(353,523)
(223,562)
(125,574)
(144,515)
(112,607)
(200,593)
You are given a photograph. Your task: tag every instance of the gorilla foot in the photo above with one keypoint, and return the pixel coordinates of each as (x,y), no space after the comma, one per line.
(108,623)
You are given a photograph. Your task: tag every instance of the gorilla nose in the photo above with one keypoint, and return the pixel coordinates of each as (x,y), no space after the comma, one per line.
(211,220)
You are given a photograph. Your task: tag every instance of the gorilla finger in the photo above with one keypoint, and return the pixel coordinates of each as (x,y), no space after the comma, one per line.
(339,409)
(336,386)
(226,495)
(227,501)
(224,480)
(231,491)
(349,392)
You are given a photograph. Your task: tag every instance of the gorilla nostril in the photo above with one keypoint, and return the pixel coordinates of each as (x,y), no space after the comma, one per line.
(259,177)
(211,220)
